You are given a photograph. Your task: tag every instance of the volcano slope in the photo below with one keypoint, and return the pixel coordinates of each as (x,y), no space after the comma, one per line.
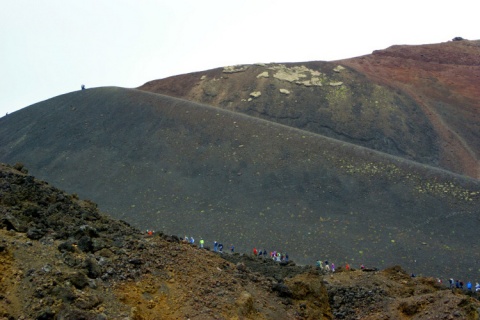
(416,102)
(88,266)
(184,168)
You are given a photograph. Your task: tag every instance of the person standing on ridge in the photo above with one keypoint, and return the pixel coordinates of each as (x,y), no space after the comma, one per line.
(201,243)
(232,248)
(255,252)
(215,246)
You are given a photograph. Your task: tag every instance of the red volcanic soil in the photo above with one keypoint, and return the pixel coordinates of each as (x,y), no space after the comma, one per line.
(445,80)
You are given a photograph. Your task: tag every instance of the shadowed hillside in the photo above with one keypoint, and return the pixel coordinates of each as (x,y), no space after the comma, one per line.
(172,165)
(416,102)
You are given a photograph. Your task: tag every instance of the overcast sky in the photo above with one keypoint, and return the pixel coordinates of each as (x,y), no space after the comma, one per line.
(51,47)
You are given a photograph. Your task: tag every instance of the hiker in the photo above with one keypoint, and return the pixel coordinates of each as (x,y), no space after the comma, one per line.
(232,248)
(215,246)
(319,264)
(333,267)
(220,248)
(260,252)
(201,243)
(192,241)
(327,267)
(264,253)
(83,87)
(286,257)
(347,267)
(477,287)
(451,282)
(255,252)
(469,286)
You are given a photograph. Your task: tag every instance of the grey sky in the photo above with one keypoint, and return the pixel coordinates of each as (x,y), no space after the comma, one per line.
(51,47)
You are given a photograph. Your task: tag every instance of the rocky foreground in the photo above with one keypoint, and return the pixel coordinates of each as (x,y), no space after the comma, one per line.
(60,258)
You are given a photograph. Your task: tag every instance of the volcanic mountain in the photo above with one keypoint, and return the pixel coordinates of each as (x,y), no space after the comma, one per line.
(323,160)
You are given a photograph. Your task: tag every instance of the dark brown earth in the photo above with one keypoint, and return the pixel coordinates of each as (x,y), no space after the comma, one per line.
(263,170)
(60,258)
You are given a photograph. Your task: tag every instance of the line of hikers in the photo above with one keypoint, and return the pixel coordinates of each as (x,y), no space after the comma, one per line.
(328,267)
(324,266)
(276,256)
(459,285)
(218,247)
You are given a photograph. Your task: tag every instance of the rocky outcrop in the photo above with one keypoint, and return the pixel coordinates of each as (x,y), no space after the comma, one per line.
(234,69)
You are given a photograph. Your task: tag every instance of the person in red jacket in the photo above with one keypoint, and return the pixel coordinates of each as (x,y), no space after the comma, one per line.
(255,252)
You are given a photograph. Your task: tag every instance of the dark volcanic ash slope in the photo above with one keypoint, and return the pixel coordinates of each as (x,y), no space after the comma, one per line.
(417,102)
(172,165)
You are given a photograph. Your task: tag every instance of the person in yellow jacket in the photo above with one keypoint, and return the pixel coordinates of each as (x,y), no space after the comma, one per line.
(201,243)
